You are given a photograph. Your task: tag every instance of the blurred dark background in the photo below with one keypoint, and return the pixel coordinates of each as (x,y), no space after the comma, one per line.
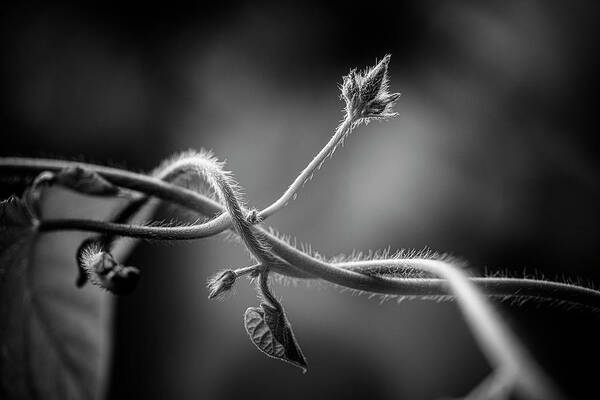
(494,159)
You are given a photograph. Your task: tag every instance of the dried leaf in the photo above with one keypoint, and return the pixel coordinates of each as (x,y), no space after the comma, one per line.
(85,181)
(54,337)
(77,179)
(272,334)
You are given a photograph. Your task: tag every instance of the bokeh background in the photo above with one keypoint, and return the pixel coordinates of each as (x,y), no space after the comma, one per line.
(493,158)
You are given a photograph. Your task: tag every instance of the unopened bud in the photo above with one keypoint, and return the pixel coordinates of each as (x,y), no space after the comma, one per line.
(221,283)
(101,268)
(366,94)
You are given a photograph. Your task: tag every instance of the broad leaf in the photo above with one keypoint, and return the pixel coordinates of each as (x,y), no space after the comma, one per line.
(271,332)
(54,337)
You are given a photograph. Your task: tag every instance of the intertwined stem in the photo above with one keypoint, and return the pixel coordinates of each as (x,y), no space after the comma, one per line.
(348,275)
(494,286)
(367,97)
(215,225)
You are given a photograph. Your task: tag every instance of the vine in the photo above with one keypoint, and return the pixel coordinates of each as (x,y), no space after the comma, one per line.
(367,98)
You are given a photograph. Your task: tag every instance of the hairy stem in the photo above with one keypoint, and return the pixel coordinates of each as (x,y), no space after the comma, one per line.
(497,342)
(17,165)
(196,231)
(341,132)
(366,94)
(291,256)
(263,285)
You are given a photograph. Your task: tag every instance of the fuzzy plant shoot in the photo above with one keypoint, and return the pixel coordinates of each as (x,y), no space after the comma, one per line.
(367,97)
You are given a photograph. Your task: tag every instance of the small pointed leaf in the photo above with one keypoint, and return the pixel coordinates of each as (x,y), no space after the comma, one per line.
(272,334)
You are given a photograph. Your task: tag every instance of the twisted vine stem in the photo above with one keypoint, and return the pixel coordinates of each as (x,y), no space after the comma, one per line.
(347,274)
(493,341)
(289,255)
(366,98)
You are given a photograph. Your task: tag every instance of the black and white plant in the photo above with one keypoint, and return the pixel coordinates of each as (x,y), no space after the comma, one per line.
(31,286)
